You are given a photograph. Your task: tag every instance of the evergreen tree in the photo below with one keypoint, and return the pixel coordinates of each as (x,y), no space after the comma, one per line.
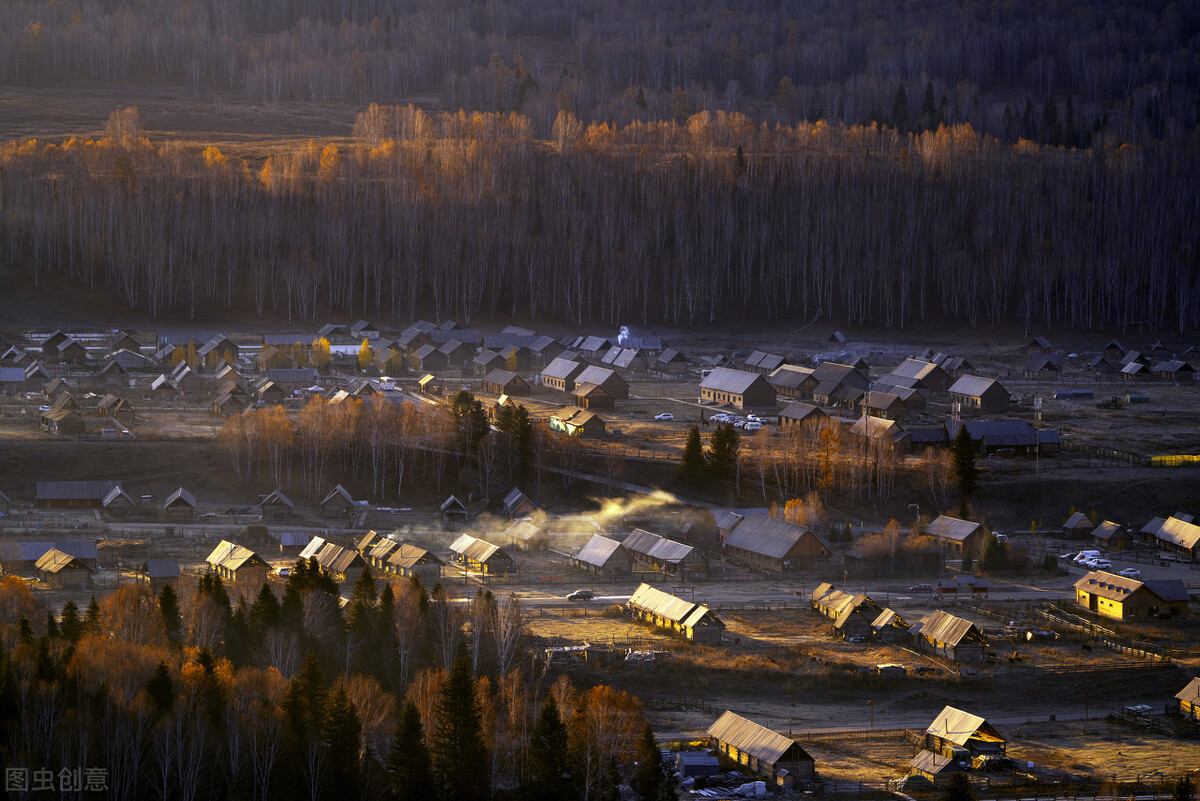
(52,626)
(168,608)
(408,763)
(995,555)
(929,112)
(91,618)
(959,788)
(160,688)
(523,433)
(459,755)
(900,109)
(550,774)
(343,736)
(691,466)
(472,420)
(25,631)
(651,779)
(71,626)
(723,451)
(304,700)
(264,612)
(963,451)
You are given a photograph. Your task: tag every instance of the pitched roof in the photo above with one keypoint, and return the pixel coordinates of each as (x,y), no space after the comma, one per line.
(54,560)
(180,495)
(801,412)
(658,548)
(501,377)
(596,375)
(515,499)
(952,528)
(973,386)
(723,379)
(75,490)
(929,762)
(1190,693)
(746,735)
(1179,532)
(670,607)
(406,556)
(598,551)
(232,556)
(1078,520)
(477,550)
(164,567)
(767,536)
(313,548)
(275,498)
(114,496)
(336,559)
(337,492)
(946,628)
(562,368)
(958,727)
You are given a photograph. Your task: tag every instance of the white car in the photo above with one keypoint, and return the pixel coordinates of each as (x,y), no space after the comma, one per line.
(1102,564)
(754,418)
(753,426)
(1131,572)
(719,418)
(739,423)
(664,416)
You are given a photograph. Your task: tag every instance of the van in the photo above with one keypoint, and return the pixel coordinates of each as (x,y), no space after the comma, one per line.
(1084,556)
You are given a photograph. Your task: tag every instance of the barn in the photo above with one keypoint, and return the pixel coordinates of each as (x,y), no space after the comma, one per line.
(664,555)
(953,637)
(962,537)
(1121,598)
(961,735)
(775,545)
(276,506)
(73,494)
(239,567)
(59,569)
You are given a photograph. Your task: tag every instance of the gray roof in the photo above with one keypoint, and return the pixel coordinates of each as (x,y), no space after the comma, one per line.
(12,551)
(596,375)
(75,490)
(972,386)
(562,368)
(790,377)
(841,373)
(929,762)
(801,411)
(406,556)
(54,560)
(767,536)
(1179,532)
(598,551)
(670,607)
(477,550)
(758,741)
(337,492)
(501,377)
(1107,529)
(162,568)
(952,528)
(514,499)
(723,379)
(232,556)
(313,548)
(659,548)
(484,358)
(915,368)
(291,375)
(12,375)
(1190,693)
(181,495)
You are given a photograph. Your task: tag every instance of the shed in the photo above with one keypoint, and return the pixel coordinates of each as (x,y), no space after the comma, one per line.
(62,421)
(934,767)
(517,504)
(526,535)
(118,503)
(276,506)
(180,503)
(1112,536)
(59,569)
(856,616)
(696,763)
(1038,345)
(890,627)
(954,729)
(337,503)
(1189,700)
(953,636)
(603,556)
(763,752)
(159,572)
(692,621)
(1078,526)
(454,511)
(412,561)
(737,388)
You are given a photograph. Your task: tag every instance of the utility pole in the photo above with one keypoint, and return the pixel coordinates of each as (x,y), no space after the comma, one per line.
(1037,434)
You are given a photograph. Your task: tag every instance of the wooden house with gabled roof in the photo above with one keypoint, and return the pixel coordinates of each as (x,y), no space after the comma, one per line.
(954,731)
(1189,701)
(777,759)
(737,388)
(118,503)
(774,545)
(276,506)
(59,569)
(953,637)
(482,556)
(561,372)
(337,503)
(690,620)
(180,504)
(603,556)
(238,566)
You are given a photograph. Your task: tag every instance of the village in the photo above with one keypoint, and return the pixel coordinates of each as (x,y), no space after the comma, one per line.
(1083,612)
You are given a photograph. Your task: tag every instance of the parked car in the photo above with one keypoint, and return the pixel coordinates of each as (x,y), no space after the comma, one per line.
(752,426)
(1102,564)
(581,595)
(664,416)
(754,418)
(1131,572)
(921,588)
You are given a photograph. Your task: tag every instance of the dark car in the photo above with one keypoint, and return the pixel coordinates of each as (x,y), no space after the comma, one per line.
(581,595)
(922,588)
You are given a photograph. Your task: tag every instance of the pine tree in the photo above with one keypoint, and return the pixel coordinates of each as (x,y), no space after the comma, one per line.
(71,626)
(52,626)
(459,755)
(264,612)
(304,700)
(550,774)
(995,555)
(408,762)
(168,608)
(966,474)
(160,688)
(651,781)
(723,451)
(343,736)
(691,466)
(91,618)
(900,109)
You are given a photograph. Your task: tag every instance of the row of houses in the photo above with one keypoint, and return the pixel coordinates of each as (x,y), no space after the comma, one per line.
(1177,534)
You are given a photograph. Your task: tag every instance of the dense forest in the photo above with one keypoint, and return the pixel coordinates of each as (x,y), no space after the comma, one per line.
(1017,69)
(405,694)
(715,219)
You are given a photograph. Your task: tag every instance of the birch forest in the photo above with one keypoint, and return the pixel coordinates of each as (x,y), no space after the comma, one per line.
(717,218)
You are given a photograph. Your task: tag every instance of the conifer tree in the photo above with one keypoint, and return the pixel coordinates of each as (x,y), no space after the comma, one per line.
(71,626)
(408,763)
(168,608)
(651,781)
(160,688)
(723,451)
(550,774)
(966,474)
(691,466)
(343,736)
(459,755)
